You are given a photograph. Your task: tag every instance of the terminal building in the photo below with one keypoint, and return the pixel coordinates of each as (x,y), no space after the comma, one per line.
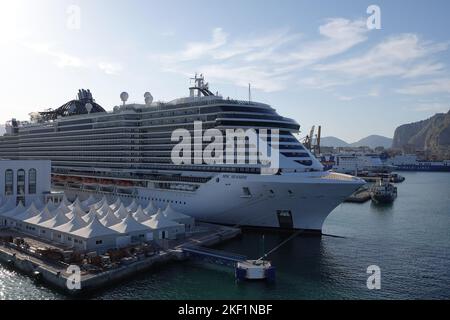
(28,206)
(24,181)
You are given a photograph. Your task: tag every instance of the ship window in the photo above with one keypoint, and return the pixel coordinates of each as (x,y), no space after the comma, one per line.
(21,182)
(32,174)
(9,182)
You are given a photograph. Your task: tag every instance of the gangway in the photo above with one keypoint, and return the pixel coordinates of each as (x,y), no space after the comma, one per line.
(244,268)
(213,256)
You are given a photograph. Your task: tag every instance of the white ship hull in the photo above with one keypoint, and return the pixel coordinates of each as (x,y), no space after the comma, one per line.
(306,198)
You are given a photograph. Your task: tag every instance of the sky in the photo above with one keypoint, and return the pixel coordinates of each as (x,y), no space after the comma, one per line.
(314,61)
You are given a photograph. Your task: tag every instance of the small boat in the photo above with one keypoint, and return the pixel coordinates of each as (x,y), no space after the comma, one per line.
(383,192)
(255,270)
(396,178)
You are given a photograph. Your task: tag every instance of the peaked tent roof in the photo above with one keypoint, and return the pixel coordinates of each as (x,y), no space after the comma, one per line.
(140,215)
(56,221)
(151,209)
(89,201)
(100,203)
(129,224)
(94,229)
(76,211)
(159,221)
(172,214)
(77,203)
(66,201)
(45,215)
(8,205)
(103,210)
(92,213)
(133,206)
(63,208)
(121,213)
(74,224)
(14,211)
(39,204)
(116,204)
(51,206)
(30,212)
(110,219)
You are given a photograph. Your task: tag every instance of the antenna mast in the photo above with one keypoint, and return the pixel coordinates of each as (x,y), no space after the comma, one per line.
(249,92)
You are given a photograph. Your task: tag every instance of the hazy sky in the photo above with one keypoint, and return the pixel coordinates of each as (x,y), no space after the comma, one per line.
(314,61)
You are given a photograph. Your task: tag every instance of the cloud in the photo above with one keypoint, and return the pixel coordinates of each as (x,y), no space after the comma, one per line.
(65,60)
(397,56)
(110,68)
(339,35)
(62,59)
(270,61)
(433,86)
(432,107)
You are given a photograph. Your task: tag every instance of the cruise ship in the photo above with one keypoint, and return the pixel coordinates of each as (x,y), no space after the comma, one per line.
(126,153)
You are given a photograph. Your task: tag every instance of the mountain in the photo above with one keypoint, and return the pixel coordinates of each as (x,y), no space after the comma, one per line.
(333,142)
(374,141)
(431,135)
(2,130)
(370,141)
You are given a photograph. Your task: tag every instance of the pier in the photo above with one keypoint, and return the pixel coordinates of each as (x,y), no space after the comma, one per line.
(59,274)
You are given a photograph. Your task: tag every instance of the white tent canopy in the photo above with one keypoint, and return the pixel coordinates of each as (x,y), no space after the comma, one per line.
(29,213)
(110,219)
(51,205)
(14,211)
(10,204)
(76,211)
(66,201)
(45,215)
(151,209)
(159,221)
(94,229)
(130,225)
(39,204)
(90,215)
(104,209)
(63,208)
(122,212)
(133,206)
(174,215)
(78,204)
(140,215)
(99,204)
(74,224)
(116,204)
(89,201)
(58,220)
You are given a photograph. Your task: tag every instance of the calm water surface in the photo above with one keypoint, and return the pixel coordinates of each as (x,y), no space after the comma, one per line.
(409,241)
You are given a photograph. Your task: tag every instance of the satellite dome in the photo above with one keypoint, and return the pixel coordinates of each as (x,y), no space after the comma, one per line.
(148,98)
(124,97)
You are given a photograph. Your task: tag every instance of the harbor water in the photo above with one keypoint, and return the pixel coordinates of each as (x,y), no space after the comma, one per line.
(409,240)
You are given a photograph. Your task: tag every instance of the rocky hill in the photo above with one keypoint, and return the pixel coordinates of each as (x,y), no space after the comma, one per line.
(431,135)
(372,141)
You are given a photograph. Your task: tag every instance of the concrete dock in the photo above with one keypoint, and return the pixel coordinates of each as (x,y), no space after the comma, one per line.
(61,275)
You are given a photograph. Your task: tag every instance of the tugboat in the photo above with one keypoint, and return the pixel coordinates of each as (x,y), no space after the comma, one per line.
(383,192)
